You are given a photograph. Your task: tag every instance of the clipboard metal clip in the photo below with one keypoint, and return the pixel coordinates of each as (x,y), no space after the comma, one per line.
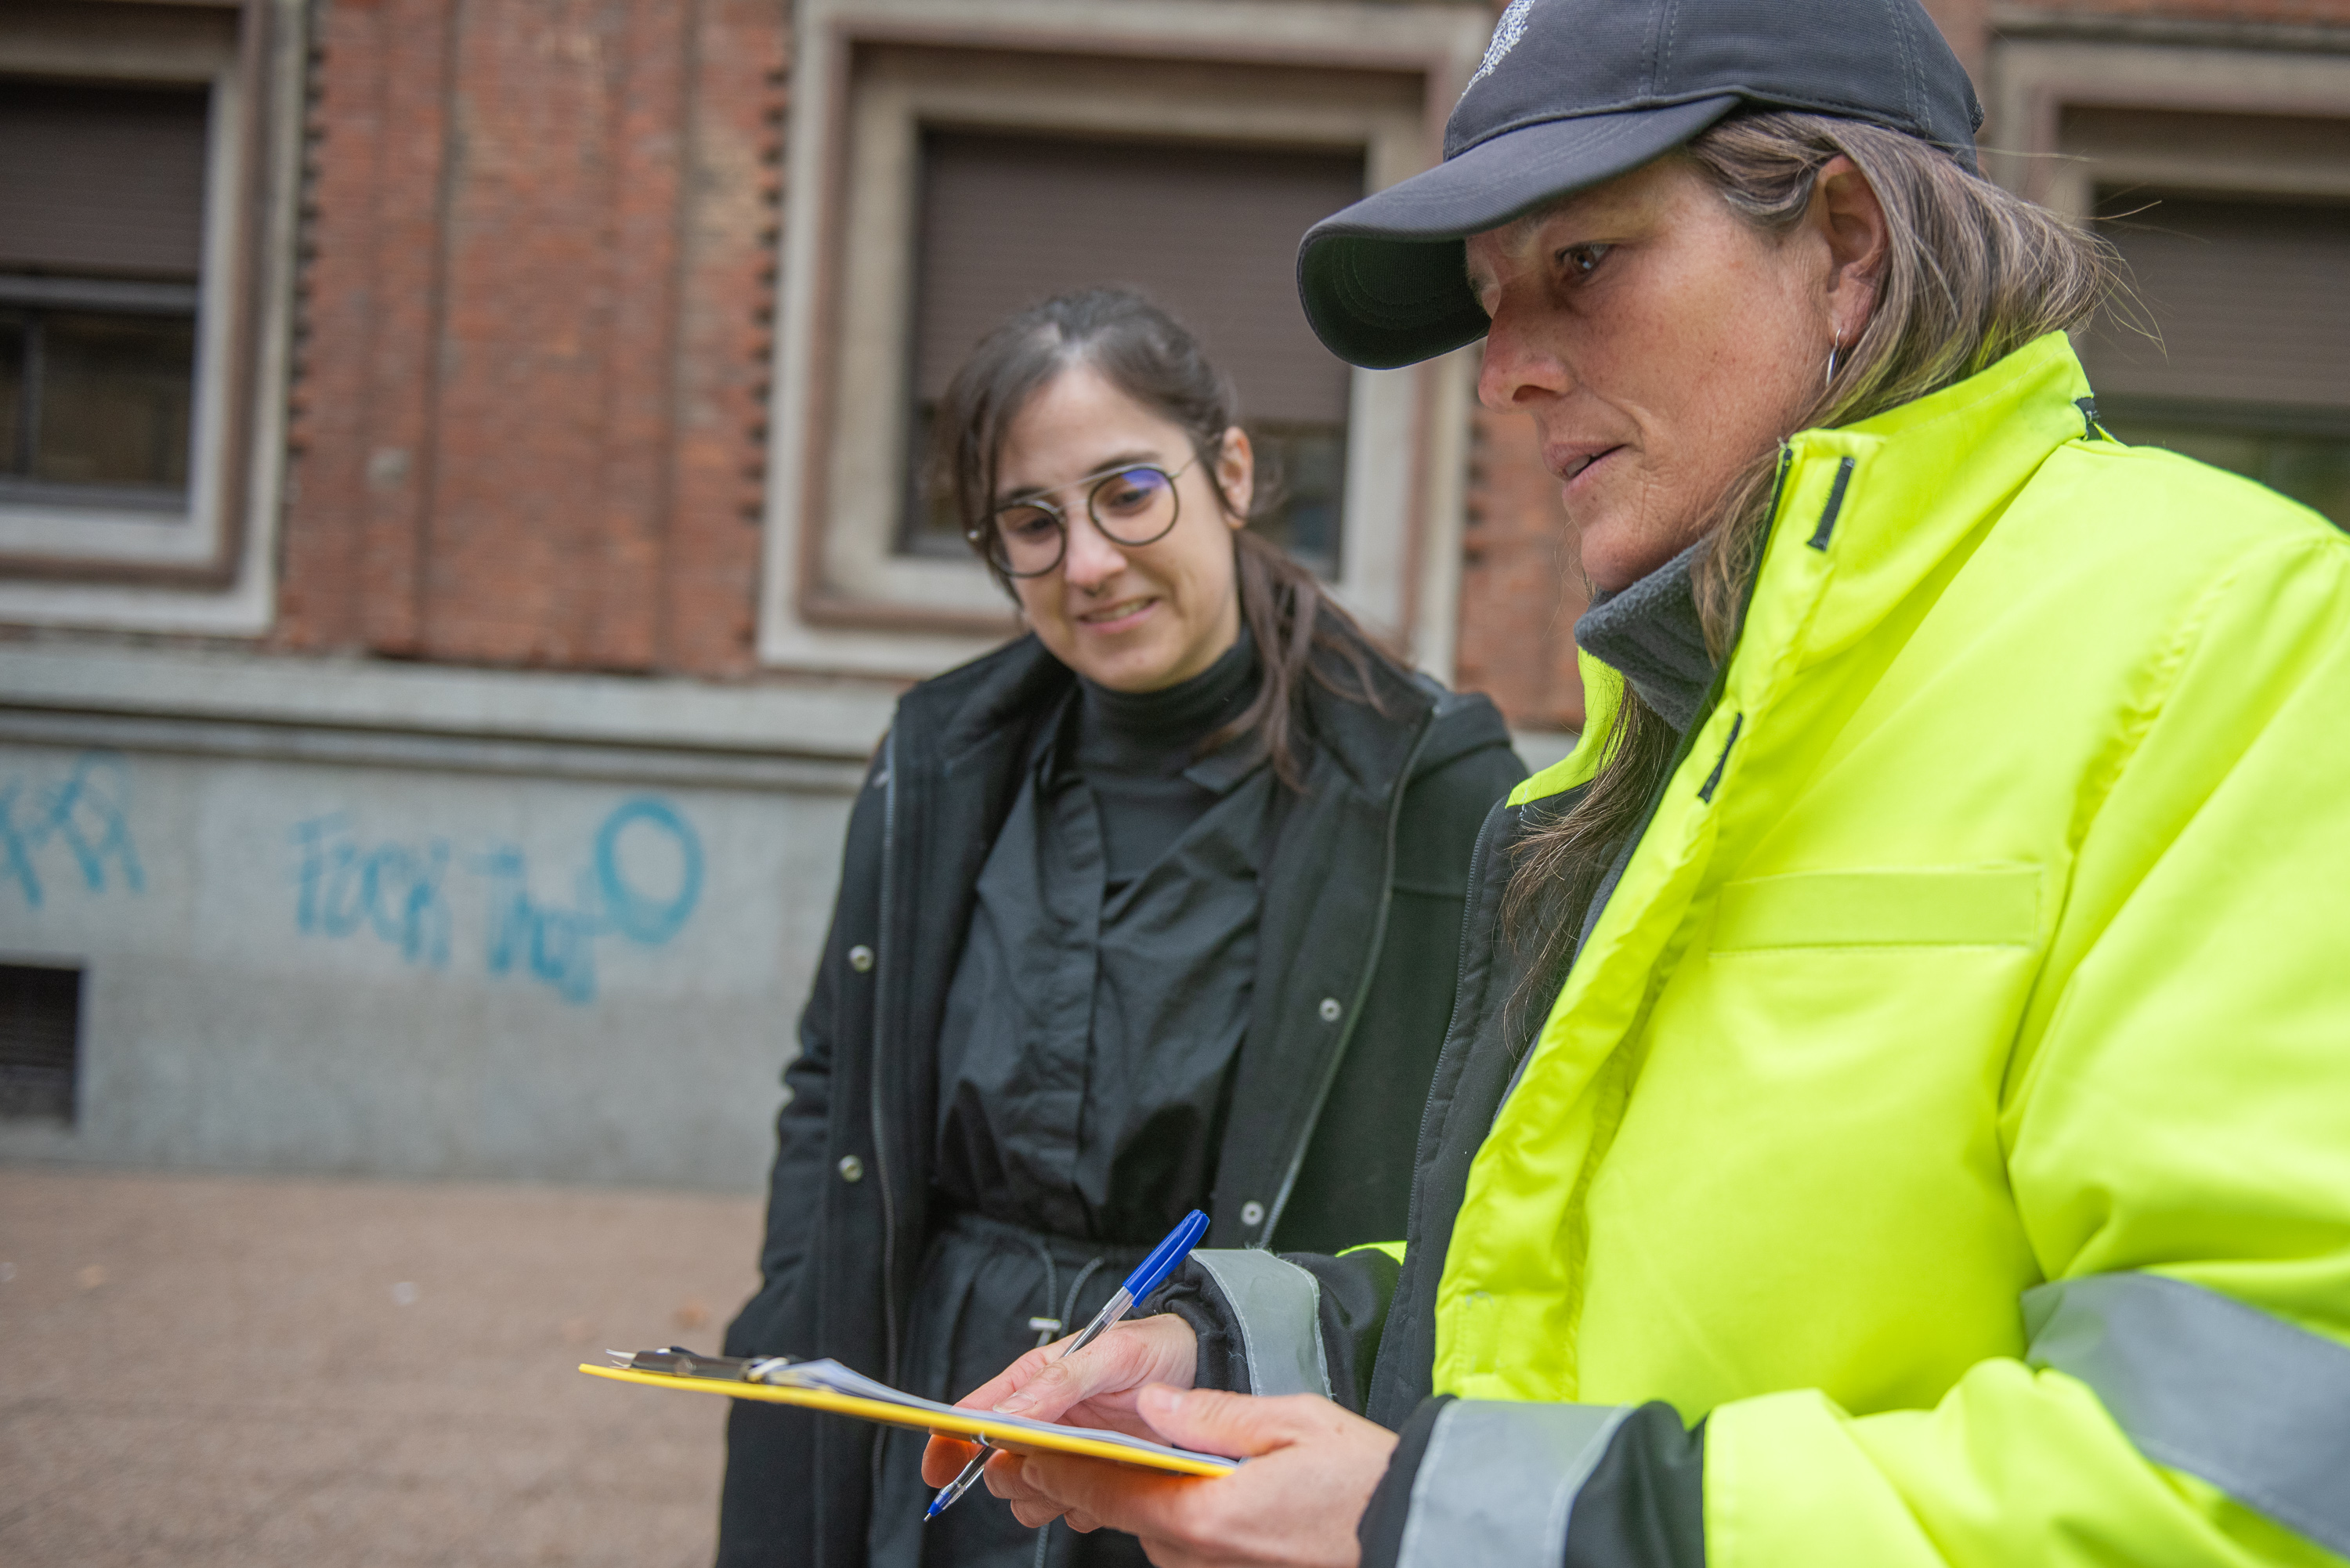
(677,1361)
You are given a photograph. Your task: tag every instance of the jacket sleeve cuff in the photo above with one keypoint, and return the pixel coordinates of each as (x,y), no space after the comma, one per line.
(1538,1486)
(1265,1314)
(1380,1533)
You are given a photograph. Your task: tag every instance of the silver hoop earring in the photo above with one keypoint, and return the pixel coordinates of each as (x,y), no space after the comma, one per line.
(1835,347)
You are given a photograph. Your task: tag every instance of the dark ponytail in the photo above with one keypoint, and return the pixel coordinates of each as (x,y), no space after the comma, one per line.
(1148,355)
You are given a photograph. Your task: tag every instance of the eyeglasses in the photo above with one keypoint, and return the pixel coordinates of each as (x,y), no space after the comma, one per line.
(1133,505)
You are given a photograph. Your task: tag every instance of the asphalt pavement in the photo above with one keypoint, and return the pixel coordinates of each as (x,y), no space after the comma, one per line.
(208,1371)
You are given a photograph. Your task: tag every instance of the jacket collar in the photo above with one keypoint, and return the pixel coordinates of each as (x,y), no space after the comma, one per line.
(1017,684)
(1923,477)
(1868,513)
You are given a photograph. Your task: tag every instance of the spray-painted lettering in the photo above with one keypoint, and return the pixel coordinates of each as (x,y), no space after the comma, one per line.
(86,813)
(400,892)
(392,889)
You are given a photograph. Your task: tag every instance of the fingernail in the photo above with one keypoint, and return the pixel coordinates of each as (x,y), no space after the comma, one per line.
(1013,1404)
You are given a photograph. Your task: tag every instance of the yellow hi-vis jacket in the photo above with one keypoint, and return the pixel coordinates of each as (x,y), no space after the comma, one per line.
(1951,1104)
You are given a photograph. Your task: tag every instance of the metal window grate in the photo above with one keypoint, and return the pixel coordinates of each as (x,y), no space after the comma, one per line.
(40,1042)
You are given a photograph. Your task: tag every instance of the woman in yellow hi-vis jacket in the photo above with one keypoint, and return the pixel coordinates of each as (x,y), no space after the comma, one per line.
(1899,1111)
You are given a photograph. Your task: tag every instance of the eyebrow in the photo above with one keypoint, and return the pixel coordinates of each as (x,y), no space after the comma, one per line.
(1134,458)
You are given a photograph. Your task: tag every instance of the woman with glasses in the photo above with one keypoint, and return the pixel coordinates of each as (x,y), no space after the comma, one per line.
(1157,908)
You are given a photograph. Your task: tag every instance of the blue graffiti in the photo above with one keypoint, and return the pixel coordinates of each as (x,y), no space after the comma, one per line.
(650,920)
(557,945)
(394,890)
(399,892)
(88,813)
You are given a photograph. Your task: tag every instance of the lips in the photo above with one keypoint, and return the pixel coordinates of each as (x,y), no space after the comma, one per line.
(1575,462)
(1110,614)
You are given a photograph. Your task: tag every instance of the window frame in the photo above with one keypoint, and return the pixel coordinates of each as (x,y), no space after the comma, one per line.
(209,570)
(836,595)
(2044,67)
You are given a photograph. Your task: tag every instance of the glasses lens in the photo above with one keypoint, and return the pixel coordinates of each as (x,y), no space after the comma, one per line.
(1027,541)
(1134,505)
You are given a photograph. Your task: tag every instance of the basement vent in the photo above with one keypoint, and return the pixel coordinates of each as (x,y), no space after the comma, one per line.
(40,1042)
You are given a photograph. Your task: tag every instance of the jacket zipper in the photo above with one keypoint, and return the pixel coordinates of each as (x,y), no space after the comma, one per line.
(1428,1109)
(1477,858)
(1362,986)
(1460,974)
(881,952)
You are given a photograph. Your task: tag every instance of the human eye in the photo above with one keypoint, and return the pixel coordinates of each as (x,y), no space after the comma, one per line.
(1026,522)
(1123,495)
(1577,263)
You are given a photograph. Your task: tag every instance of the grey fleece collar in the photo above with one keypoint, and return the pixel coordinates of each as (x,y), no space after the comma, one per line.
(1651,633)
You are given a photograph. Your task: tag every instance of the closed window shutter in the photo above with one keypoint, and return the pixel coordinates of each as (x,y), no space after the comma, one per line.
(40,1041)
(101,179)
(1209,233)
(2249,296)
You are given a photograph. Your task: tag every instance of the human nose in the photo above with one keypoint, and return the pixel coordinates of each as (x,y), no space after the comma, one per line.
(1090,558)
(1521,367)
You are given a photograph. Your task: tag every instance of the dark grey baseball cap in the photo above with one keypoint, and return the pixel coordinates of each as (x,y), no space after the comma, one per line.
(1574,92)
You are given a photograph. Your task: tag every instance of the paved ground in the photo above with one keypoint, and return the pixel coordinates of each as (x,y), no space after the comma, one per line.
(209,1371)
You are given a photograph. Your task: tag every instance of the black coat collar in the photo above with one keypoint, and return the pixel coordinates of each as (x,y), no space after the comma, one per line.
(1021,684)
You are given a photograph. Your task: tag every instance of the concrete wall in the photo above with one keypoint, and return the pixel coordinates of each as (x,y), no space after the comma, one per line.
(313,944)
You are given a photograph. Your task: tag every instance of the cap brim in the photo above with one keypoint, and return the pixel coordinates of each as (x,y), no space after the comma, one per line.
(1384,281)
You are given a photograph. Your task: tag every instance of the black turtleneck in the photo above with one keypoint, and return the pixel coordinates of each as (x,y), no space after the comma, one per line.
(1105,974)
(1136,751)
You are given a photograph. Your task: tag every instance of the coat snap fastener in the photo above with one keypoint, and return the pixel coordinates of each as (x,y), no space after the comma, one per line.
(1251,1212)
(1330,1010)
(851,1169)
(860,958)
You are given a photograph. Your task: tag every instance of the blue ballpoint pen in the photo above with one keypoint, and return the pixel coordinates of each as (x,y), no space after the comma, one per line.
(1147,1276)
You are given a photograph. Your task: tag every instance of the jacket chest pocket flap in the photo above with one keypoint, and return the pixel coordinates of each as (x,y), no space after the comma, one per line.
(1896,907)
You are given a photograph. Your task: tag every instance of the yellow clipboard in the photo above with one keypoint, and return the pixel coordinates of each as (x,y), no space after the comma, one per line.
(963,1423)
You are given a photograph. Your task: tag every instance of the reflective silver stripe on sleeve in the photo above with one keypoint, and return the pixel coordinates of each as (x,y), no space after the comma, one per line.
(2205,1384)
(1277,1307)
(1497,1483)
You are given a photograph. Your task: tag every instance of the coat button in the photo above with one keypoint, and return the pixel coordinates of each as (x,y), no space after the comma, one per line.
(1330,1010)
(851,1169)
(860,958)
(1251,1213)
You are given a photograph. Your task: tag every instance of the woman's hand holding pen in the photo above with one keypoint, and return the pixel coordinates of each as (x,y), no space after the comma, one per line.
(1313,1466)
(1095,1389)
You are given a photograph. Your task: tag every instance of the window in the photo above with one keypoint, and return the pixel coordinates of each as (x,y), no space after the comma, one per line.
(101,241)
(951,161)
(2252,371)
(148,157)
(40,1042)
(1210,232)
(2210,157)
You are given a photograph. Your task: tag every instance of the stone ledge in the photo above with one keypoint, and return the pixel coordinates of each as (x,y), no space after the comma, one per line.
(399,713)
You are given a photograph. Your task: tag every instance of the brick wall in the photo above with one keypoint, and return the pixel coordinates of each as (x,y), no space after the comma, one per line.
(1520,587)
(529,404)
(540,243)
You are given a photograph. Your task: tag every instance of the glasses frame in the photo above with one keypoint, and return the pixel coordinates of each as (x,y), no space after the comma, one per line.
(988,537)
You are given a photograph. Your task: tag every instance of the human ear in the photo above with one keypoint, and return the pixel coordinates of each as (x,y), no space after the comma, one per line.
(1847,218)
(1236,475)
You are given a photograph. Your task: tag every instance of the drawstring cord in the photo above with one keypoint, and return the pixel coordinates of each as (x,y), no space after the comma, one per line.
(1047,1329)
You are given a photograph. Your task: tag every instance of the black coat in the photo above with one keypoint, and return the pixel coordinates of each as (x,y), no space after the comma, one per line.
(1359,945)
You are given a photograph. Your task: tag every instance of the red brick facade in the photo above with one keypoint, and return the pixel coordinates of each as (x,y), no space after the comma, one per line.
(539,245)
(535,329)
